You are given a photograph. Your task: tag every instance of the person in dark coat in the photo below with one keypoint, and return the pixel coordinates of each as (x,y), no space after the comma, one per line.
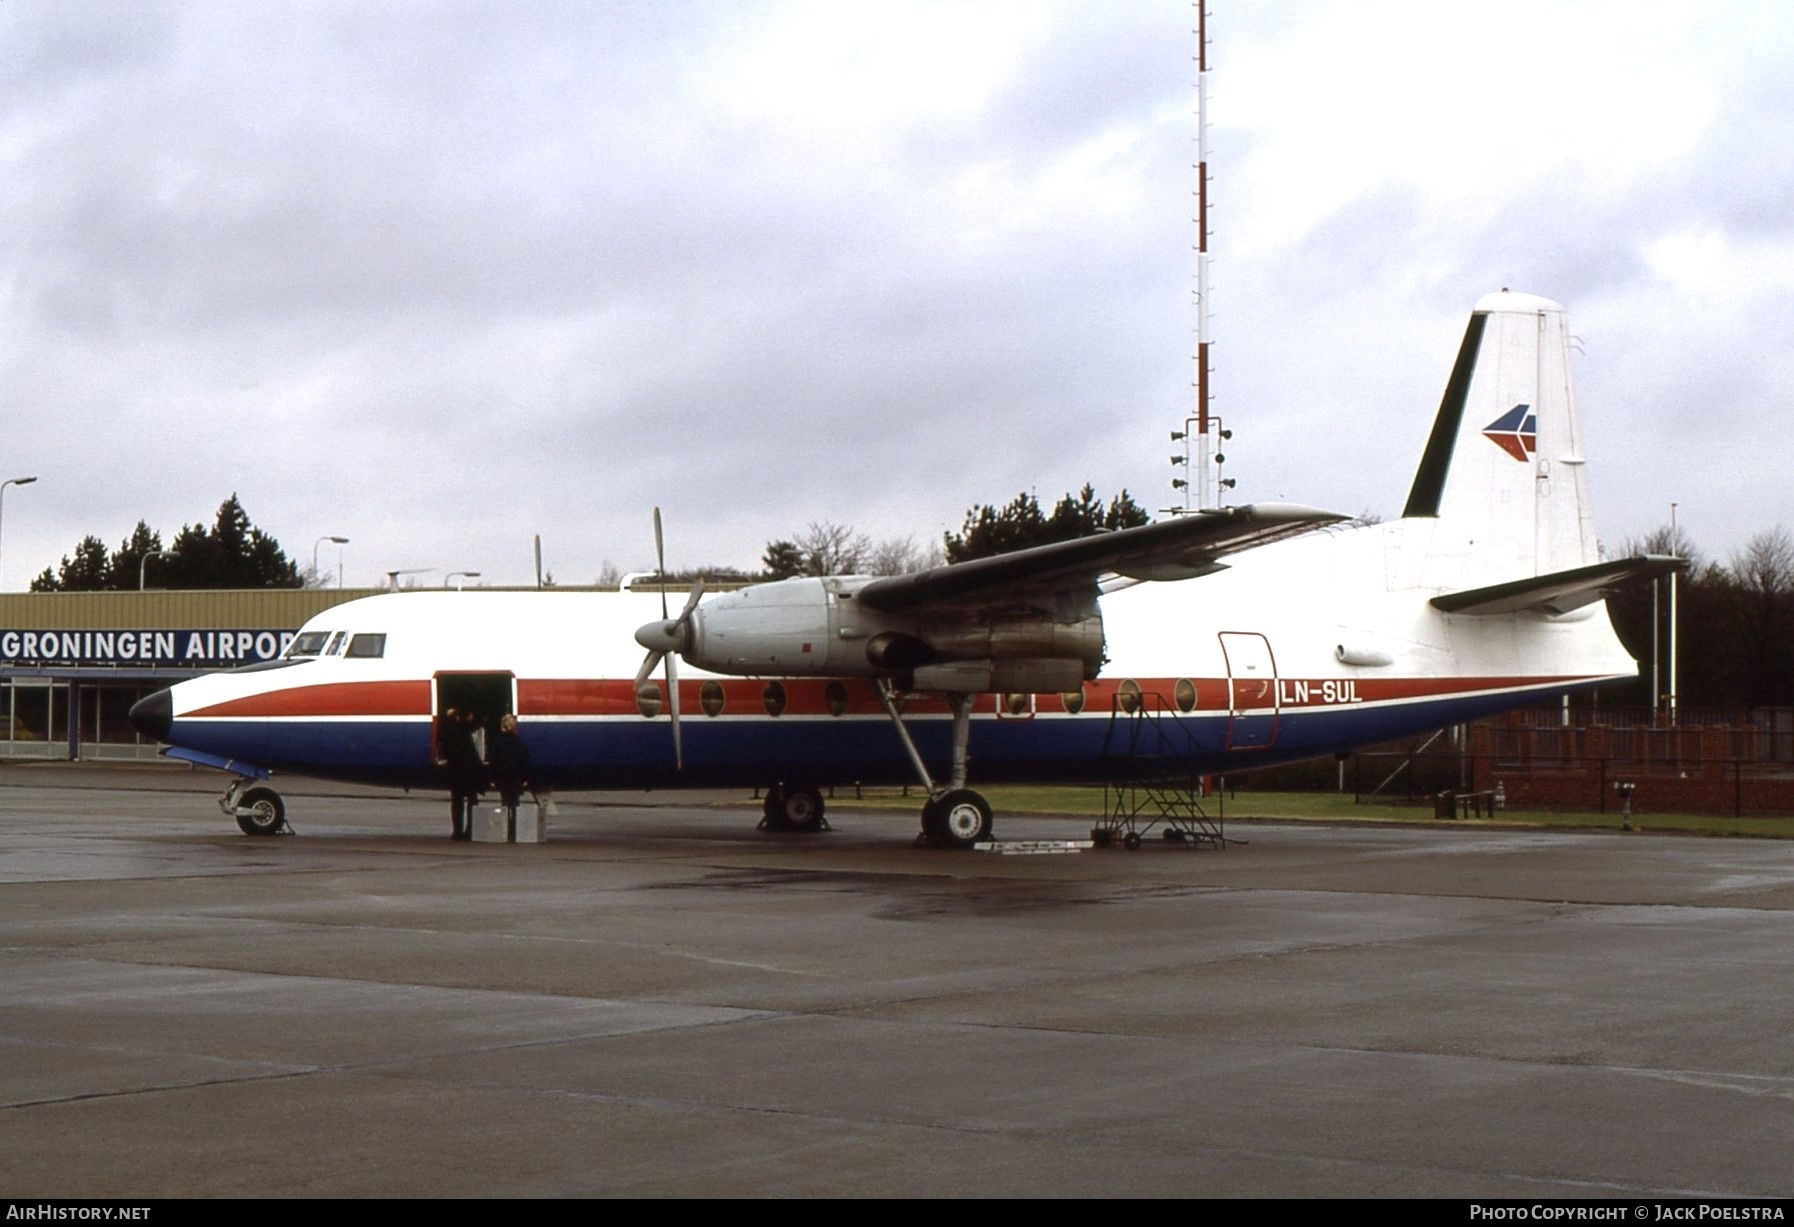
(510,766)
(465,770)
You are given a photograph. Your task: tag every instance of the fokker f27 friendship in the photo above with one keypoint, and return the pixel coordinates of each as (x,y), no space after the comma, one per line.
(1272,632)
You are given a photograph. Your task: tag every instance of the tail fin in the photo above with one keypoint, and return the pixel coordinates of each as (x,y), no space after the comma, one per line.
(1503,482)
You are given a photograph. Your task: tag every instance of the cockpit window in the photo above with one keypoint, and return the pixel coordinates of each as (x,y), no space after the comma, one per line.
(309,644)
(367,645)
(336,644)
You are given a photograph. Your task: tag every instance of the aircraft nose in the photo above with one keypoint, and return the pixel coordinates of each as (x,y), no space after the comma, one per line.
(152,714)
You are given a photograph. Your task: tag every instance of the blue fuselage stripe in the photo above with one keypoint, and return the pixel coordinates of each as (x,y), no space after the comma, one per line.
(628,753)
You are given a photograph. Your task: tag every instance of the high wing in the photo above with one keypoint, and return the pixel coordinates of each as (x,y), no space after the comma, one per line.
(1559,592)
(1182,547)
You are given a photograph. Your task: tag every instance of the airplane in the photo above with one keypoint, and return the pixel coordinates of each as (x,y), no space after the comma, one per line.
(1271,632)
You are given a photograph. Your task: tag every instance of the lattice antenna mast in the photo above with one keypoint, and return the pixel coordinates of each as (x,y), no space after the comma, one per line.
(1201,461)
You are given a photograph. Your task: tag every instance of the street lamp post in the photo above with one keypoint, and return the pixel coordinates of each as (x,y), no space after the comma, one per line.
(1675,551)
(11,481)
(143,566)
(314,555)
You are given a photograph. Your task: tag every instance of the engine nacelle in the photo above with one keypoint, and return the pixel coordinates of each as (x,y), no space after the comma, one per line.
(1009,676)
(781,628)
(814,627)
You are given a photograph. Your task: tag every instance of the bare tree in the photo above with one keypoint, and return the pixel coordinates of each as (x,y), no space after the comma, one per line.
(1763,615)
(833,549)
(1661,541)
(1735,638)
(1765,566)
(900,555)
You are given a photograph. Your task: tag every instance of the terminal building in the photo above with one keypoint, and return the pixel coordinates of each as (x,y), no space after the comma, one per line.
(73,663)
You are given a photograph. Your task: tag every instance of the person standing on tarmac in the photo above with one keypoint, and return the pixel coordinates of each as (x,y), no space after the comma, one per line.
(509,760)
(465,770)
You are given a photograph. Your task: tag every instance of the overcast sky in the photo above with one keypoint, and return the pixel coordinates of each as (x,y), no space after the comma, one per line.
(440,276)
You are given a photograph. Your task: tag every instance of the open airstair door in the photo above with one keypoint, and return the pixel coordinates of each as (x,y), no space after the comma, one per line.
(1251,690)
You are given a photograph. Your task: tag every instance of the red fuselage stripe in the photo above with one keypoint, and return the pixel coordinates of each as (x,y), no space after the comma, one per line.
(814,697)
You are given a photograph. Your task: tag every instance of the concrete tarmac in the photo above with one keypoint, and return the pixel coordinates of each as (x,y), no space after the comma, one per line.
(664,1001)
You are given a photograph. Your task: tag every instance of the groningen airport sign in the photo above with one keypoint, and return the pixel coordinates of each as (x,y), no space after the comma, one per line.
(192,649)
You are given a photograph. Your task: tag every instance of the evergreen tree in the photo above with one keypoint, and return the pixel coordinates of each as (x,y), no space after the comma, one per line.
(1022,524)
(233,553)
(85,572)
(783,560)
(126,570)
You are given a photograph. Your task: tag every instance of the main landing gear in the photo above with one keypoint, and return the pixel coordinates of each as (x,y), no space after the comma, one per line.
(793,807)
(954,816)
(257,808)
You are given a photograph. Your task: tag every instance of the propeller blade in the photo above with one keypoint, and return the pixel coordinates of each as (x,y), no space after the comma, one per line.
(672,662)
(660,562)
(691,602)
(647,669)
(666,639)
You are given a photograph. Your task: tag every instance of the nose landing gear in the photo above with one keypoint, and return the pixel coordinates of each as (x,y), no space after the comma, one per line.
(257,808)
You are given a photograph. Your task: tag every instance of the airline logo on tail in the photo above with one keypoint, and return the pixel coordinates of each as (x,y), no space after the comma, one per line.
(1515,432)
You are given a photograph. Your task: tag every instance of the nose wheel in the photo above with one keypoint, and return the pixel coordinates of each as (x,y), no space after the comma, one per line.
(258,809)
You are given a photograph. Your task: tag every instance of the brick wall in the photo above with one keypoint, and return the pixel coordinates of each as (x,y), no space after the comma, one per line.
(1702,770)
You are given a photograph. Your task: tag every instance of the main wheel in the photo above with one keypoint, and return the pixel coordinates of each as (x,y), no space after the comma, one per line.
(260,811)
(961,818)
(934,820)
(793,807)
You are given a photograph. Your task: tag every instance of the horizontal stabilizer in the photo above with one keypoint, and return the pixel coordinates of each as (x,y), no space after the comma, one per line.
(1560,591)
(1178,548)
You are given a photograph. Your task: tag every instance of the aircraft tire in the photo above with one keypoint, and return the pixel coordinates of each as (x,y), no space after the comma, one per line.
(793,807)
(1131,841)
(267,812)
(962,818)
(934,827)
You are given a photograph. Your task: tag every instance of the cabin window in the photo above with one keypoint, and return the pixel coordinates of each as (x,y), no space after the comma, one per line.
(1072,700)
(1128,697)
(648,700)
(835,698)
(367,645)
(710,698)
(1186,695)
(773,698)
(307,644)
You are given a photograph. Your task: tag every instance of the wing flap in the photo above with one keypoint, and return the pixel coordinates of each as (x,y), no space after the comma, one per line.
(1559,592)
(1178,548)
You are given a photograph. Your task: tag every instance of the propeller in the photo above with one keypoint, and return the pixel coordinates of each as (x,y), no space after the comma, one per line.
(666,638)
